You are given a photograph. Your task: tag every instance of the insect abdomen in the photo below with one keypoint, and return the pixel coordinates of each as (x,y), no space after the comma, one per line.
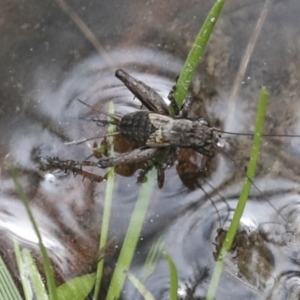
(136,127)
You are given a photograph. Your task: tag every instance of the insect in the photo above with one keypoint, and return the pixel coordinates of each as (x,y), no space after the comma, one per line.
(158,136)
(154,132)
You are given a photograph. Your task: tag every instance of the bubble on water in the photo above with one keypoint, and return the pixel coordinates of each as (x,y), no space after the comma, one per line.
(181,292)
(220,144)
(49,178)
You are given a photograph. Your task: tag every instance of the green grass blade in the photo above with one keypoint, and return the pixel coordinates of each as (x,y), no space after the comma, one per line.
(107,209)
(259,125)
(8,289)
(173,277)
(154,254)
(47,265)
(77,288)
(140,287)
(196,52)
(132,236)
(23,276)
(35,276)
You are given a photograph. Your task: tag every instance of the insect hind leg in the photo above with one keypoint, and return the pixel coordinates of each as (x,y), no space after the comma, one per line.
(148,96)
(67,166)
(135,156)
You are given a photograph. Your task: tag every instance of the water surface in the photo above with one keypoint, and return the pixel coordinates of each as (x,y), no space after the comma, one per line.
(47,63)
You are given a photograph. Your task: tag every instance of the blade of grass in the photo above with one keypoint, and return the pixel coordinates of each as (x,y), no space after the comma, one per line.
(21,267)
(107,208)
(173,276)
(47,265)
(152,258)
(196,52)
(8,289)
(77,288)
(35,276)
(140,287)
(259,125)
(132,236)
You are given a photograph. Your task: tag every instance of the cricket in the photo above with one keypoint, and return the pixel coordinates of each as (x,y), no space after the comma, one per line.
(154,132)
(157,136)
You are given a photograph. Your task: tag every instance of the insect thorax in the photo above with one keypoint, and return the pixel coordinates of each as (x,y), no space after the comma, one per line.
(179,132)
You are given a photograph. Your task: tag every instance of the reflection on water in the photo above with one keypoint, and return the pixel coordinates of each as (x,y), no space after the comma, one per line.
(264,260)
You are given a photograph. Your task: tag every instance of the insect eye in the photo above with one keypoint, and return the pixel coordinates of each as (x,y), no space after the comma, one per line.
(203,122)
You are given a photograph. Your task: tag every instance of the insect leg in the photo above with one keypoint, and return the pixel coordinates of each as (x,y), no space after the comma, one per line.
(148,96)
(135,156)
(160,177)
(206,152)
(186,105)
(89,175)
(164,157)
(173,101)
(52,163)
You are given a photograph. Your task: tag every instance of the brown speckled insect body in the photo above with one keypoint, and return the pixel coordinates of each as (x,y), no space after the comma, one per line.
(151,131)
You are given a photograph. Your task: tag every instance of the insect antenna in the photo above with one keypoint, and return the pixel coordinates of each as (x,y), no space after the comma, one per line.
(97,120)
(252,182)
(212,202)
(115,117)
(222,197)
(92,138)
(263,135)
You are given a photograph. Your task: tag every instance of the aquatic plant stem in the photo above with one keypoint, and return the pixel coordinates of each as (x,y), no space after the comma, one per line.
(104,227)
(8,289)
(196,52)
(132,236)
(46,260)
(259,125)
(173,276)
(107,209)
